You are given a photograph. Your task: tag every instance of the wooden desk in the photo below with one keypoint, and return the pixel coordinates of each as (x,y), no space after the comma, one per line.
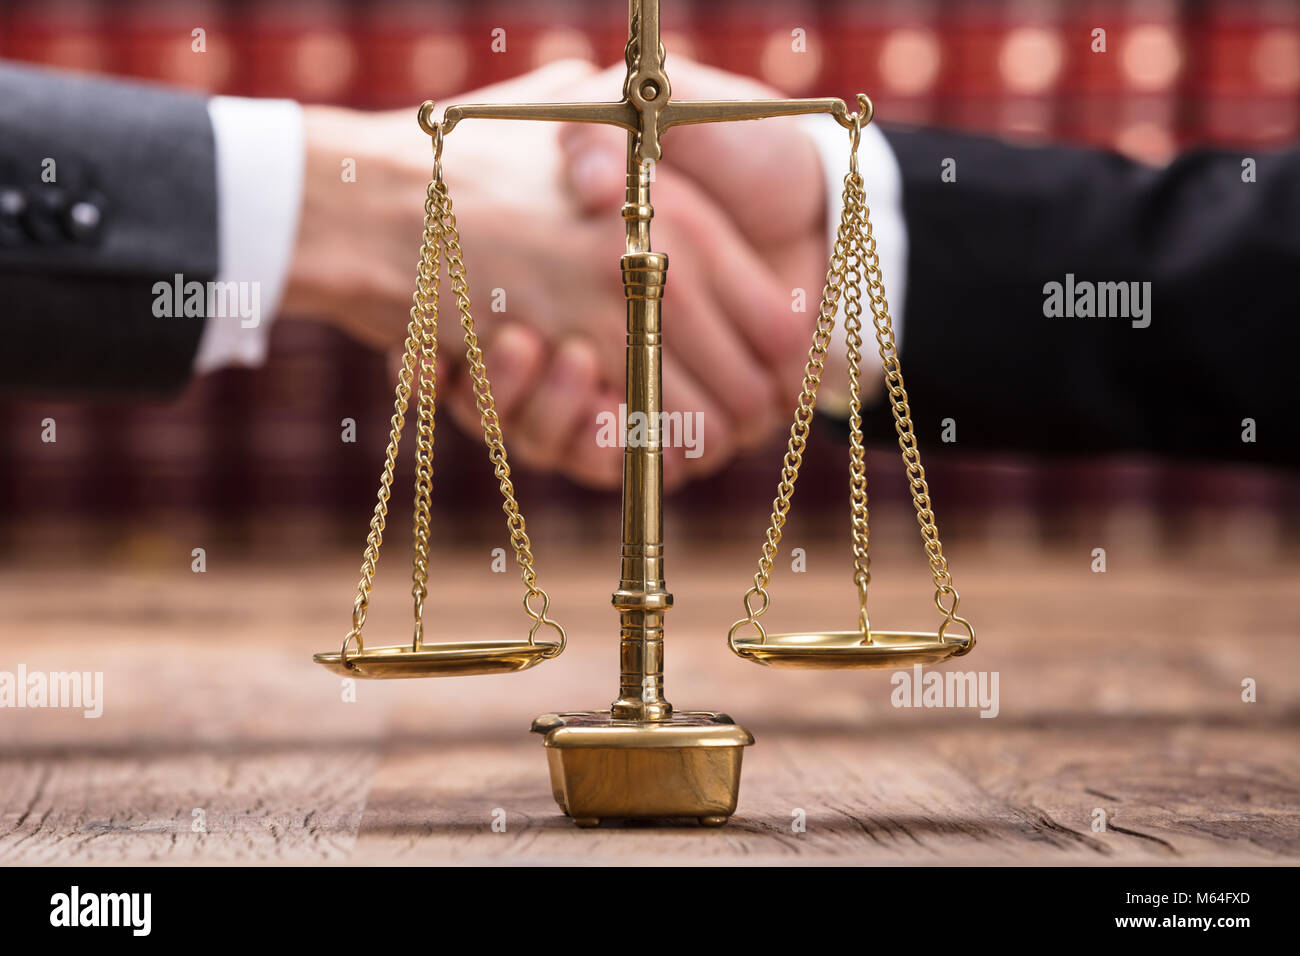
(1118,691)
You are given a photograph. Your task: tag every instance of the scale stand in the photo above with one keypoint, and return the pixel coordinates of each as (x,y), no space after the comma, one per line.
(642,759)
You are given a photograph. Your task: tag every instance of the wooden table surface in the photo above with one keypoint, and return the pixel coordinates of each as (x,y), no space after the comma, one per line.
(1119,691)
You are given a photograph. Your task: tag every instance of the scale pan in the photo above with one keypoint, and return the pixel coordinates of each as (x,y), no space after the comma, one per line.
(438,660)
(849,649)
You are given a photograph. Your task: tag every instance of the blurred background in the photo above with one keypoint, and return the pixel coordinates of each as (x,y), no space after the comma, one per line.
(1124,688)
(254,457)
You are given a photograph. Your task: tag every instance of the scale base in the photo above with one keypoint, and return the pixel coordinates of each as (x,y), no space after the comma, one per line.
(603,768)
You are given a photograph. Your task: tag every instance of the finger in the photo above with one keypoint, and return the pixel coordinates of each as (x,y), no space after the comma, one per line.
(593,458)
(393,361)
(701,335)
(595,172)
(711,429)
(514,360)
(457,397)
(552,413)
(756,304)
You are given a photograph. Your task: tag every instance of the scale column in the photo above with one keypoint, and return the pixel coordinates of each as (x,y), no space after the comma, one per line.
(642,597)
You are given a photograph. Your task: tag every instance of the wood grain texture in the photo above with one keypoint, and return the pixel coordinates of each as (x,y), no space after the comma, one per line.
(1118,691)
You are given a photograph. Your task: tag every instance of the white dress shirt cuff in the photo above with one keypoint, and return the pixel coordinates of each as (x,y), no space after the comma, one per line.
(883,183)
(259,153)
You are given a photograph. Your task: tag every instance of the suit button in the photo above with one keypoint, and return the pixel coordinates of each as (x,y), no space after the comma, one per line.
(83,219)
(12,204)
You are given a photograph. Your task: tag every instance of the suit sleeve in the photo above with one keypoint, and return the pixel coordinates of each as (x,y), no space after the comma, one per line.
(1218,241)
(106,190)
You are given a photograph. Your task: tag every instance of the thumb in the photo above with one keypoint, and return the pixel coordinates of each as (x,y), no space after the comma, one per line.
(595,167)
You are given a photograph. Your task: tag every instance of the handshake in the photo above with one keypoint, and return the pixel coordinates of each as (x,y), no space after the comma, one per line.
(741,209)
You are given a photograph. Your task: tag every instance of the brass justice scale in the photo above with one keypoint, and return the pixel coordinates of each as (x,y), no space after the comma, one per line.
(642,758)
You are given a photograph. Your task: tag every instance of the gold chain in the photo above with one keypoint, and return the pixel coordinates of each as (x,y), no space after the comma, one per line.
(798,441)
(854,252)
(488,418)
(902,412)
(859,517)
(424,310)
(442,240)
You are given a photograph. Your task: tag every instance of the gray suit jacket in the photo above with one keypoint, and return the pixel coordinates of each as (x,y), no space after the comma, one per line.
(128,200)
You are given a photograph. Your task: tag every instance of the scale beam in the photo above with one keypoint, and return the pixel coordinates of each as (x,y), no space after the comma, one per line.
(611,114)
(687,112)
(628,115)
(647,109)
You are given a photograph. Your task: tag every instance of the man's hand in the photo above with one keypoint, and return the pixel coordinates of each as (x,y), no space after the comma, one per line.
(739,208)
